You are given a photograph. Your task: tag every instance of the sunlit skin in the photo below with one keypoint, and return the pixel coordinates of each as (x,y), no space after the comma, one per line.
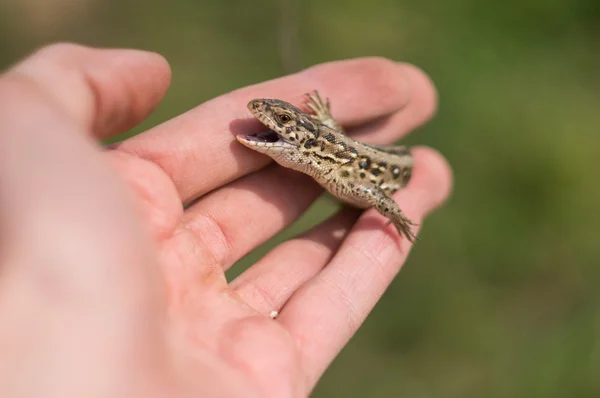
(109,288)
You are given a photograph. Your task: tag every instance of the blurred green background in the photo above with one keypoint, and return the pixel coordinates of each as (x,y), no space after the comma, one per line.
(500,298)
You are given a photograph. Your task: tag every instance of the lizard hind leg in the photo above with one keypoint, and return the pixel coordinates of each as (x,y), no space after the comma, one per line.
(322,110)
(370,195)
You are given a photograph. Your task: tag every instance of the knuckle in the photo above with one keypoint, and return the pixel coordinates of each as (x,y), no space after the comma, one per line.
(342,303)
(213,238)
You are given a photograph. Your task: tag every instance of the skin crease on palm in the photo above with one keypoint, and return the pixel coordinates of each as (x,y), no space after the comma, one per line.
(109,288)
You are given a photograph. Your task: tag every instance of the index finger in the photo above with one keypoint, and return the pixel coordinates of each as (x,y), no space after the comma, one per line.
(198,149)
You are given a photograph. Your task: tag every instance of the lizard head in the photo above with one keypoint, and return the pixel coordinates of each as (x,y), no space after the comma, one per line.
(289,128)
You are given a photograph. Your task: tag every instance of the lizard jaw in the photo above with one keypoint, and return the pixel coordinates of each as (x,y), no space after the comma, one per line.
(264,141)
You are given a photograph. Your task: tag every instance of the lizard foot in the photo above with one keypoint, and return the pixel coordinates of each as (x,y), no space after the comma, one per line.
(320,108)
(403,225)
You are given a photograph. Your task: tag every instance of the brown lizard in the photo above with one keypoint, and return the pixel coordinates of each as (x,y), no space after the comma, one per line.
(315,144)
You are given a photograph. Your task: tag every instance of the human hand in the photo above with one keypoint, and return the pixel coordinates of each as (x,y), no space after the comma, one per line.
(109,288)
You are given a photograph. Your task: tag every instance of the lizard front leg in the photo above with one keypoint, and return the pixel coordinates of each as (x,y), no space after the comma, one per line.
(322,110)
(370,195)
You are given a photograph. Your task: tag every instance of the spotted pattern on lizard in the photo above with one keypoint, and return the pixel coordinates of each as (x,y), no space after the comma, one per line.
(314,143)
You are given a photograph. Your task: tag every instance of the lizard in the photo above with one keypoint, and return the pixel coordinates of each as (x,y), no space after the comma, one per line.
(314,143)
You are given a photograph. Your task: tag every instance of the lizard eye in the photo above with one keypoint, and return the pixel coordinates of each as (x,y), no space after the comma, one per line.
(283,118)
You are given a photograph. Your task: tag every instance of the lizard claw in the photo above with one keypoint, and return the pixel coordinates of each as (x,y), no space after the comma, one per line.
(316,104)
(404,228)
(321,110)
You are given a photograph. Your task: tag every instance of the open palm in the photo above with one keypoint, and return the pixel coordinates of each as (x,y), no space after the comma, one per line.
(131,284)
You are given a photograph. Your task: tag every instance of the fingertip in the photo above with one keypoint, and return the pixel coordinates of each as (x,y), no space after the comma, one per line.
(156,67)
(109,90)
(131,85)
(71,54)
(423,94)
(149,57)
(432,180)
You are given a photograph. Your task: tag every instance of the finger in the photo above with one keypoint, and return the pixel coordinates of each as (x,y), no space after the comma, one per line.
(231,221)
(325,312)
(106,91)
(252,198)
(198,149)
(269,283)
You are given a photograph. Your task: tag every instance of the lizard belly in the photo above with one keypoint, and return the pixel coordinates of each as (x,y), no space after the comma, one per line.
(341,192)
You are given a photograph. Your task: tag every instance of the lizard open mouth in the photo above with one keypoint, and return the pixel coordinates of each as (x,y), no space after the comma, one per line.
(267,137)
(267,140)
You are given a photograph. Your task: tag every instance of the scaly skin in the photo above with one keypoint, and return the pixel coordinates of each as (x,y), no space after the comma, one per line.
(315,144)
